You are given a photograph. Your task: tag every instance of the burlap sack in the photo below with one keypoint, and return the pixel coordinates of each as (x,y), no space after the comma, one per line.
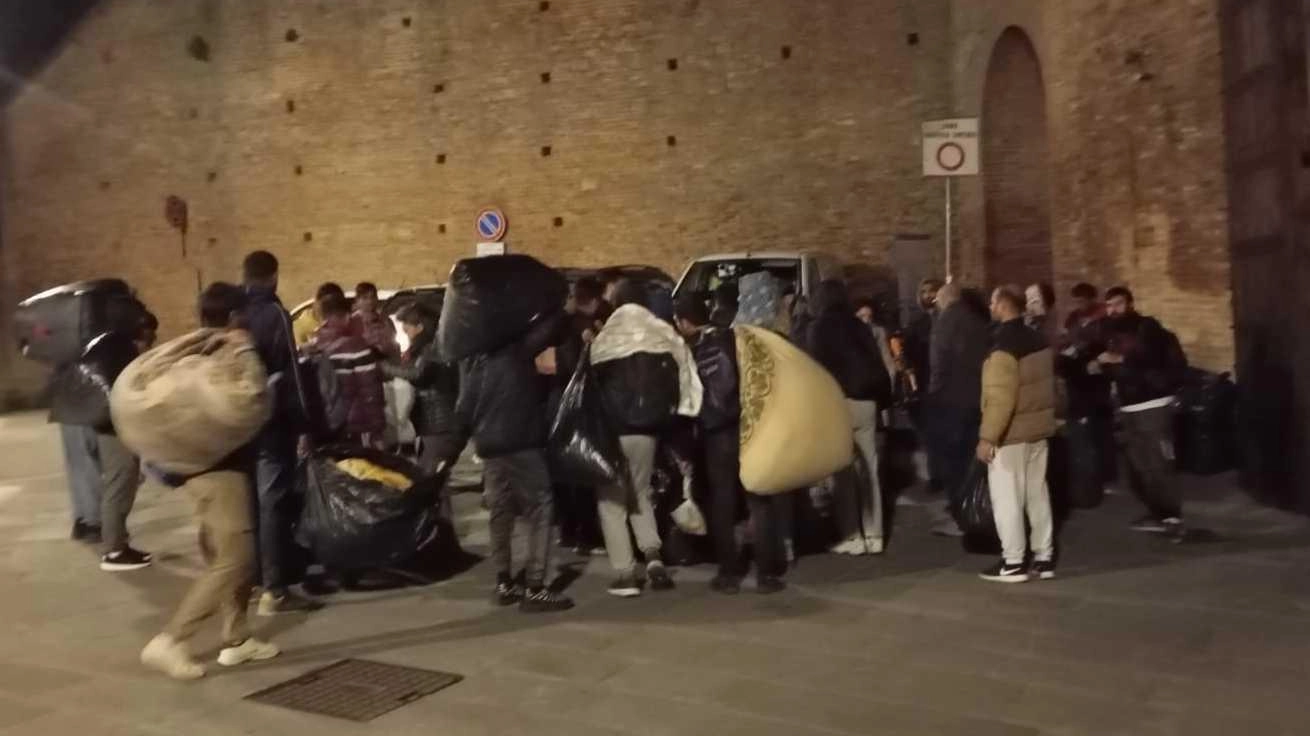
(191,402)
(795,428)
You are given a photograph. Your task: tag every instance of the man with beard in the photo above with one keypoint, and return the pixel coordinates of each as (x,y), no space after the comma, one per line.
(1147,366)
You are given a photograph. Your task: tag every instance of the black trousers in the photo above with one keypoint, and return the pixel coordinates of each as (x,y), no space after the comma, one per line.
(723,475)
(1149,447)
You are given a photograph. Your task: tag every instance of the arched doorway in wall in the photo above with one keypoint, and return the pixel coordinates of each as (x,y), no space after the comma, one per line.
(1015,164)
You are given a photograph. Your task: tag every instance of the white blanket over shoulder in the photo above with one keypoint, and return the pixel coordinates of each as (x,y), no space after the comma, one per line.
(633,329)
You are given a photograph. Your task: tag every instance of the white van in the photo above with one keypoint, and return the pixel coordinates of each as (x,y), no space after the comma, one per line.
(803,270)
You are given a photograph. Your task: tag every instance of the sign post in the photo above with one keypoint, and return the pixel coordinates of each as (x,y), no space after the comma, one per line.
(950,149)
(491,225)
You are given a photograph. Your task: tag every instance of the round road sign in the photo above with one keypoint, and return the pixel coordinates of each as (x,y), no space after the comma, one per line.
(491,224)
(950,156)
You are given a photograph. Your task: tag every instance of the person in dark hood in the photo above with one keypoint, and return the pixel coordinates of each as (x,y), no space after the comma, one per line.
(275,456)
(1089,407)
(918,331)
(502,400)
(844,345)
(724,311)
(961,338)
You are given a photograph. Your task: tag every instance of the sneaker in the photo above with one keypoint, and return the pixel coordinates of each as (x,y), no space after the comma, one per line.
(1150,524)
(725,584)
(171,657)
(124,559)
(288,602)
(768,584)
(625,587)
(1003,572)
(507,593)
(948,528)
(873,546)
(250,650)
(1044,569)
(852,546)
(544,600)
(659,576)
(1174,529)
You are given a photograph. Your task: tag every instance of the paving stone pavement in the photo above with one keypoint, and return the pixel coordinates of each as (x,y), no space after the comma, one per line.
(1137,637)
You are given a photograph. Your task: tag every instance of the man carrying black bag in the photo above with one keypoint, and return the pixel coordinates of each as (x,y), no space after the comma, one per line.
(1018,416)
(502,398)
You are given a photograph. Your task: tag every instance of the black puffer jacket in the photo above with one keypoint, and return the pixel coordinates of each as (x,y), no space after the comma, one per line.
(1154,364)
(436,385)
(640,392)
(715,350)
(502,397)
(846,347)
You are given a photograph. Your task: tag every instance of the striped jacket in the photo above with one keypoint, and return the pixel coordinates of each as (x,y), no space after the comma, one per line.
(359,397)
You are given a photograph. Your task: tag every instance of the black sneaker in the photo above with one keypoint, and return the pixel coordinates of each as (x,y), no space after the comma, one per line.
(1150,525)
(726,584)
(507,593)
(276,604)
(544,600)
(1174,529)
(124,560)
(768,584)
(659,576)
(1002,572)
(625,587)
(1043,569)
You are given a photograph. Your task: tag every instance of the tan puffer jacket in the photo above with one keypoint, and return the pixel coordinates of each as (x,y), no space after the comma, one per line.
(1018,387)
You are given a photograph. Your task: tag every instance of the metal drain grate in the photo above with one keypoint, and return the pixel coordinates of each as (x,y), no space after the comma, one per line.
(355,689)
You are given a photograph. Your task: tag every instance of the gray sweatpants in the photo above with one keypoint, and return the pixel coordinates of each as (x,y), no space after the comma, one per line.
(618,507)
(120,474)
(518,485)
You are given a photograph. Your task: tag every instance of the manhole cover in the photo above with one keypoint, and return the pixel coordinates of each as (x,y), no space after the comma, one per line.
(355,689)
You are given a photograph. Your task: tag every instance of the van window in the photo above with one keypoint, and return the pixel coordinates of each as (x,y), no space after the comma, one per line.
(704,277)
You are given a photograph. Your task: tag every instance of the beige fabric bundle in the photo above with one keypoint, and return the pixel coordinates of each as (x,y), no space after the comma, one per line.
(795,428)
(189,403)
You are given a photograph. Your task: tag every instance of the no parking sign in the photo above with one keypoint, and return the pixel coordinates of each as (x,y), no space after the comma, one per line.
(491,224)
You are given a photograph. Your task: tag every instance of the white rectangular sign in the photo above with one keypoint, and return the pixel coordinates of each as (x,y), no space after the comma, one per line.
(491,249)
(950,147)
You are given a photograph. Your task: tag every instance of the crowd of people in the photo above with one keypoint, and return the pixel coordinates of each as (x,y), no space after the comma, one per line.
(983,383)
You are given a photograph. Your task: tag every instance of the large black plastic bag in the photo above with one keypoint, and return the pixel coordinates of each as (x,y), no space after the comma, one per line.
(584,449)
(975,513)
(56,325)
(492,301)
(354,524)
(1206,431)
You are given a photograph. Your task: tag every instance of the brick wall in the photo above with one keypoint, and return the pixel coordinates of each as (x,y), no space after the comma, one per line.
(363,147)
(357,140)
(1135,130)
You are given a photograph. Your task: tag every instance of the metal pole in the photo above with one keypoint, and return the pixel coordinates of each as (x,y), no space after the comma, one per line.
(948,229)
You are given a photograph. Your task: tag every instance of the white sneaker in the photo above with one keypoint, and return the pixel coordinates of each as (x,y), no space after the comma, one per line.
(873,546)
(852,546)
(250,650)
(166,655)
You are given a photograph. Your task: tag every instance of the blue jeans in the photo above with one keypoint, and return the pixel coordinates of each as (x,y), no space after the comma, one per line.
(82,464)
(277,506)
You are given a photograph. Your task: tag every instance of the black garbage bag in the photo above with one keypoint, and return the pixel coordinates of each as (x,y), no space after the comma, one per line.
(1206,429)
(353,524)
(56,325)
(492,301)
(584,448)
(975,513)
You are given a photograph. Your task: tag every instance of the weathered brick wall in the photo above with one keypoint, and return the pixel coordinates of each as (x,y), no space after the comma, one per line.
(364,147)
(357,140)
(1135,128)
